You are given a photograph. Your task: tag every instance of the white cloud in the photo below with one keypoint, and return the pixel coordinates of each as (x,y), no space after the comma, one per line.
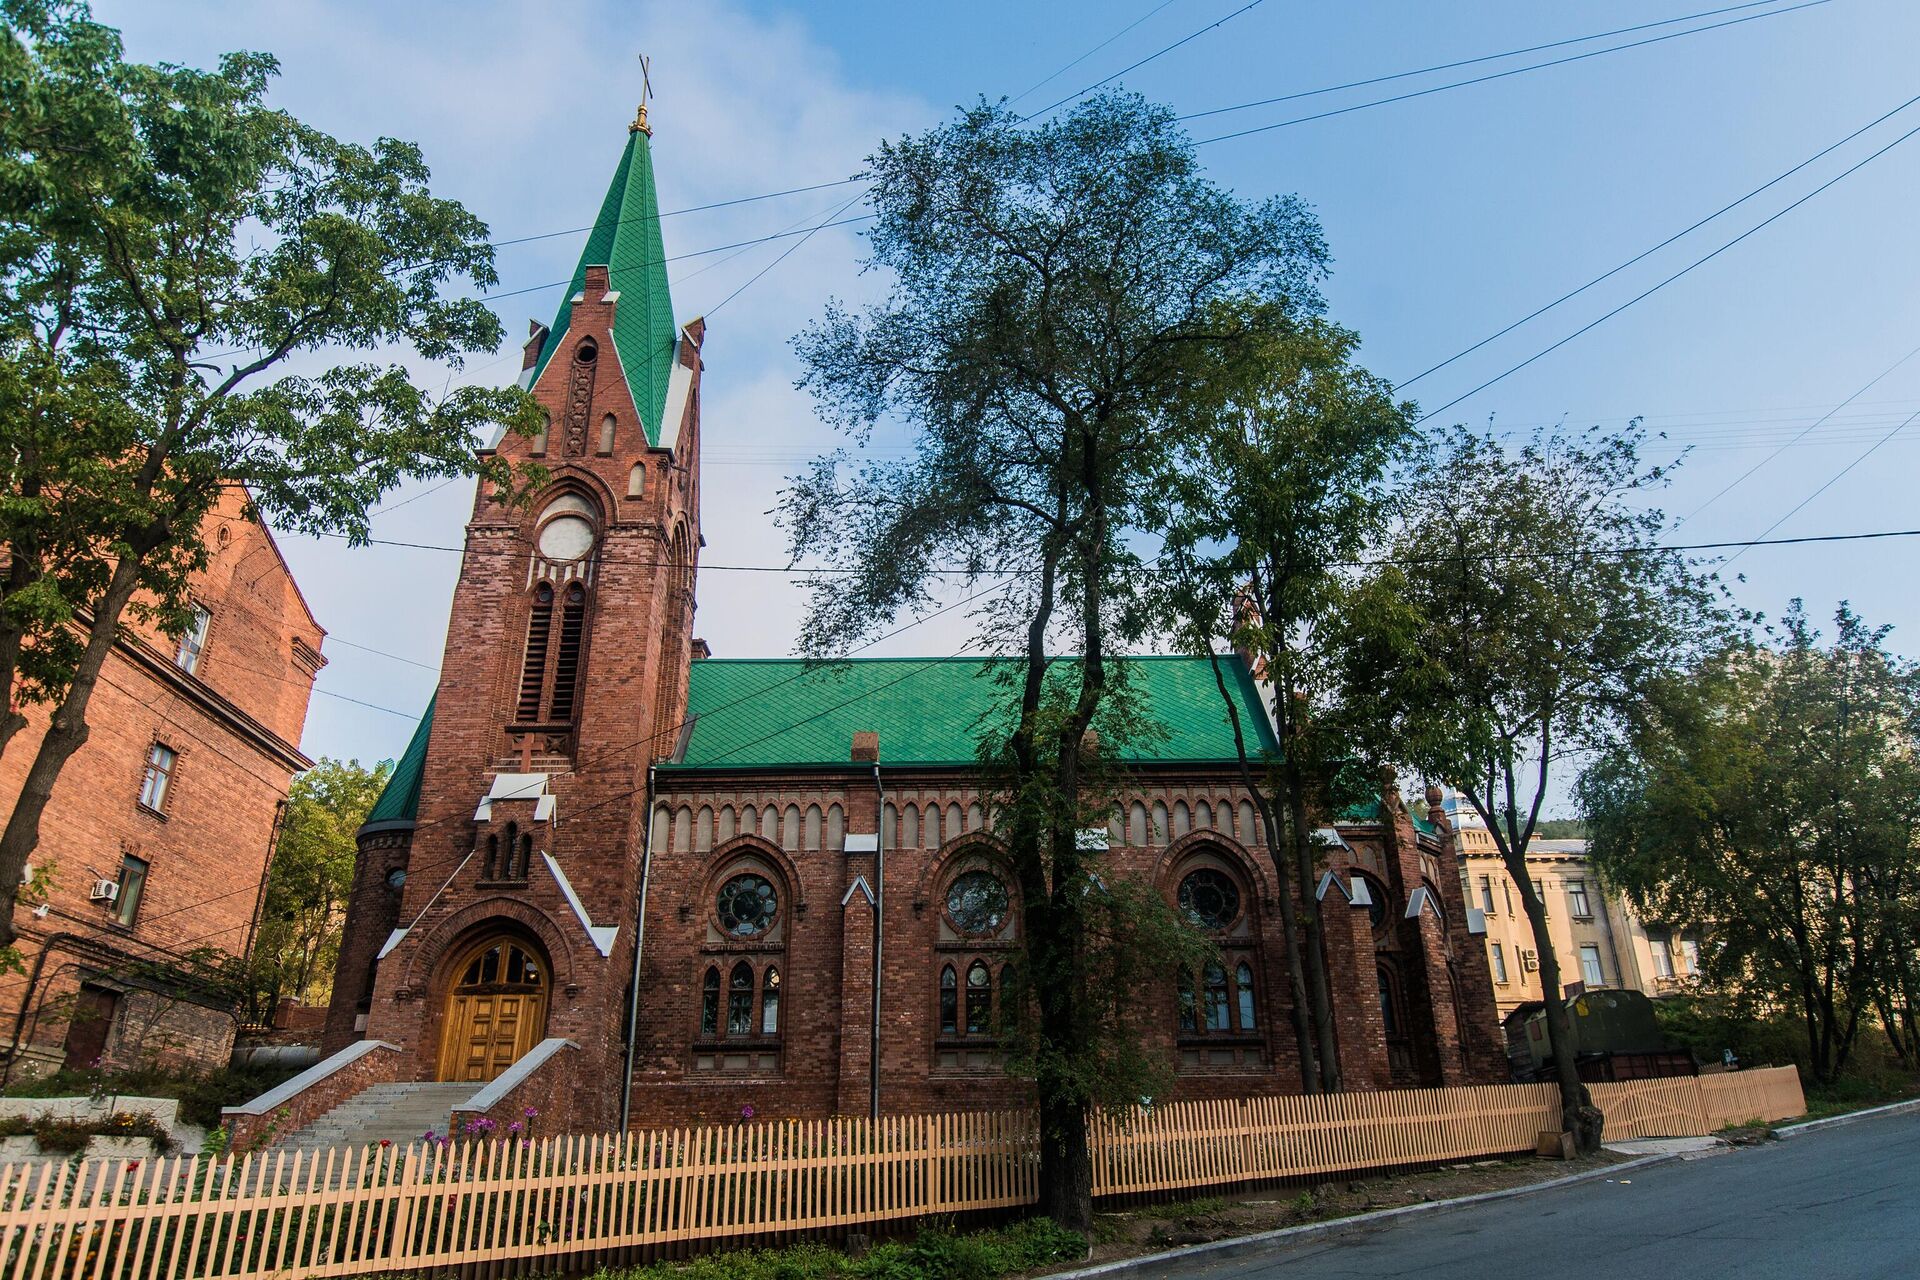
(522,111)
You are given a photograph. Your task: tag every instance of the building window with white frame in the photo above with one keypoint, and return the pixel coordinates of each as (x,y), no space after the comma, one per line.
(194,641)
(1577,900)
(1662,948)
(1486,894)
(1690,957)
(1499,963)
(158,777)
(1590,971)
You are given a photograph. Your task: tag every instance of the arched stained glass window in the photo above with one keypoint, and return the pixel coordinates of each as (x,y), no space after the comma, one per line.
(1216,999)
(1243,981)
(949,1002)
(770,1003)
(740,1000)
(710,1003)
(979,999)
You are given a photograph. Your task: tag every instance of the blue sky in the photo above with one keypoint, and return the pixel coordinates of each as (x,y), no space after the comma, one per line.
(1450,216)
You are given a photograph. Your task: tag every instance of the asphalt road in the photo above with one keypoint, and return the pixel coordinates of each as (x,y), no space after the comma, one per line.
(1838,1204)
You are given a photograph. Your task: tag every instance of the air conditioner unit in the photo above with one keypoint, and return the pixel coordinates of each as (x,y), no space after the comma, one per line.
(1529,961)
(104,890)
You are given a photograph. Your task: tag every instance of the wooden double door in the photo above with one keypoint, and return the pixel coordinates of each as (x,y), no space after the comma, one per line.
(496,1010)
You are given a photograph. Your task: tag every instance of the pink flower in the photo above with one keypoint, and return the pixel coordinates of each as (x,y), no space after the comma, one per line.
(514,1127)
(746,1112)
(533,1113)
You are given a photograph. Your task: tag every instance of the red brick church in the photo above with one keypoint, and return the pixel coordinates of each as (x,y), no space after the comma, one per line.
(623,881)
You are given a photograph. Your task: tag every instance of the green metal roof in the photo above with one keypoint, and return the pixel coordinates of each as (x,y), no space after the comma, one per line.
(775,712)
(401,799)
(626,241)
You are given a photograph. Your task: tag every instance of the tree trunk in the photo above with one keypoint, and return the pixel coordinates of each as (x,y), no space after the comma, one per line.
(1300,1012)
(1066,1161)
(1578,1115)
(66,734)
(1313,937)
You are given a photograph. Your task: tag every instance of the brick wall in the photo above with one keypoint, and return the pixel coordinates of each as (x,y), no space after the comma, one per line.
(233,724)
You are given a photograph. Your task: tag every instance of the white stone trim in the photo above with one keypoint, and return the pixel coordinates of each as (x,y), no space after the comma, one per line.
(602,935)
(859,886)
(864,842)
(287,1091)
(393,940)
(518,786)
(496,1090)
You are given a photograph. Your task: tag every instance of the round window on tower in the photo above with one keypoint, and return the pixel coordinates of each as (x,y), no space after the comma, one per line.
(746,905)
(566,539)
(587,352)
(1210,899)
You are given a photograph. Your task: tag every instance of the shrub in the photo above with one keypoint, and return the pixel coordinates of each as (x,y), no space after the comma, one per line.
(933,1255)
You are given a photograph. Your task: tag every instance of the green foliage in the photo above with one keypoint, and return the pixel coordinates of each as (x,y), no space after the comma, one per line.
(201,1094)
(1528,612)
(1771,799)
(308,884)
(167,240)
(1282,485)
(1056,315)
(932,1255)
(70,1136)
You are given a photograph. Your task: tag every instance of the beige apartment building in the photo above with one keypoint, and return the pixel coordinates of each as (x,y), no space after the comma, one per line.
(1597,937)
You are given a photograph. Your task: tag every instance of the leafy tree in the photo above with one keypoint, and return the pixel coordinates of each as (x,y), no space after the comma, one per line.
(307,886)
(1773,802)
(1535,611)
(1055,312)
(166,241)
(1284,484)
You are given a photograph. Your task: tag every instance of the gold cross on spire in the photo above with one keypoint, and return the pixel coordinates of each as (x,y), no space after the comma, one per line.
(646,91)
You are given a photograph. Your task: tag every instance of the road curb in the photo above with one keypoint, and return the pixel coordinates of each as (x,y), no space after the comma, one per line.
(1237,1245)
(1814,1126)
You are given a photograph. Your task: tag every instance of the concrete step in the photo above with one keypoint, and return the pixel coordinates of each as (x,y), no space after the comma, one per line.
(398,1112)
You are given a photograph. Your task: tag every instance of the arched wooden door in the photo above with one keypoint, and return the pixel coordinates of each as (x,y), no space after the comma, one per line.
(496,1009)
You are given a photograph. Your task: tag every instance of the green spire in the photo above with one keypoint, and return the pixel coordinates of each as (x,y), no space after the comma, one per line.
(626,240)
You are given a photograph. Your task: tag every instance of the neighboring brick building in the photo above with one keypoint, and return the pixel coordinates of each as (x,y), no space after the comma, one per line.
(797,820)
(161,826)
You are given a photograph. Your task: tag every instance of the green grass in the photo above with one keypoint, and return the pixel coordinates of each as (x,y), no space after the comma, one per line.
(932,1255)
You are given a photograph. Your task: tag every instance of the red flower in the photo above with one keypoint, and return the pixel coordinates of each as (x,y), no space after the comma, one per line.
(386,1142)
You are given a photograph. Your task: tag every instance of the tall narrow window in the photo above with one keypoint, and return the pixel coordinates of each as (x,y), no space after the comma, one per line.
(187,657)
(1499,962)
(533,672)
(159,776)
(949,1002)
(566,668)
(770,1003)
(607,425)
(1662,957)
(979,999)
(1216,998)
(1189,1016)
(493,855)
(133,885)
(1577,898)
(710,1003)
(1389,1015)
(1590,971)
(1243,981)
(1486,894)
(740,1000)
(526,856)
(1690,957)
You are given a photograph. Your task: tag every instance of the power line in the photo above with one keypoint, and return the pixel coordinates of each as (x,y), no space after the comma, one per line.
(1468,62)
(1833,480)
(1498,75)
(1135,66)
(1739,479)
(788,252)
(1685,231)
(1697,262)
(1055,75)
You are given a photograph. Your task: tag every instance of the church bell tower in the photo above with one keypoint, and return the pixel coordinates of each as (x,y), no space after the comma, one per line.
(499,914)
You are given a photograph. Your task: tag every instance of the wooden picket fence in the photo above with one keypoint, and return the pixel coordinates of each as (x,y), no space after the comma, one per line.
(575,1201)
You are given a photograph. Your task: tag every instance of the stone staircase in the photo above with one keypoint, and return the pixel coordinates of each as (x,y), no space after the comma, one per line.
(401,1112)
